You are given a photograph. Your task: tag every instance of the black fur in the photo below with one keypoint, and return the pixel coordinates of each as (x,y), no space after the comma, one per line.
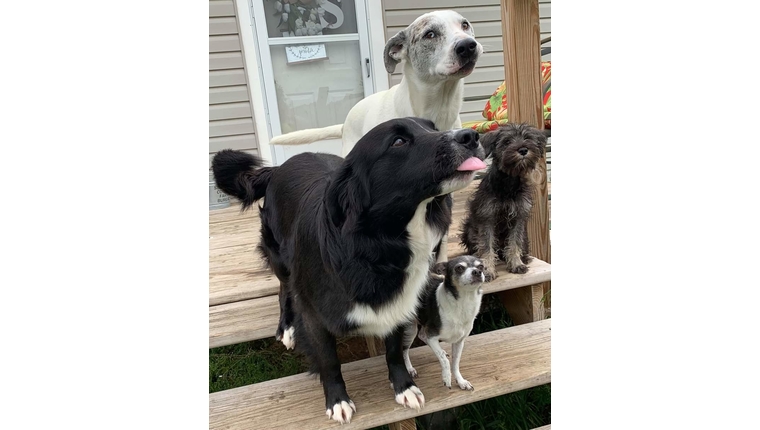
(498,211)
(335,232)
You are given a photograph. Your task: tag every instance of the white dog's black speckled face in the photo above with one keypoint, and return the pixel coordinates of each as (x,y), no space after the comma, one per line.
(438,45)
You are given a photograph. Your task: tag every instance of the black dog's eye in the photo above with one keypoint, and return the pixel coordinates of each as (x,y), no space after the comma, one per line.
(459,269)
(430,35)
(398,142)
(465,25)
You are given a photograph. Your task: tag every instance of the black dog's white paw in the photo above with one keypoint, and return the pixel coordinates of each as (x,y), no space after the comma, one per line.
(411,397)
(288,339)
(341,412)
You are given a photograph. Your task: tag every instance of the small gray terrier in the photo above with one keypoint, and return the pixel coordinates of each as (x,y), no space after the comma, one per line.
(497,214)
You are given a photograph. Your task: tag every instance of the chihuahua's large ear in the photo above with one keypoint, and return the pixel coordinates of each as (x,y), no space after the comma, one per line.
(395,51)
(347,197)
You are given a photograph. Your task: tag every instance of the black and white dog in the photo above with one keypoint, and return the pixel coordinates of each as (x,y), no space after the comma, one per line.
(351,240)
(447,313)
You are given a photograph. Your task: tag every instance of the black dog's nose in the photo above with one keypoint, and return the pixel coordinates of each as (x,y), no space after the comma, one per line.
(467,137)
(523,150)
(465,48)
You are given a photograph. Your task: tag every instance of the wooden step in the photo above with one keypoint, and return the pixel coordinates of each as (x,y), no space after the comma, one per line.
(236,271)
(496,363)
(253,319)
(546,427)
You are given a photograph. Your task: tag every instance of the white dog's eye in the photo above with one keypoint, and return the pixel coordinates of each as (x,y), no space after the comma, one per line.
(398,142)
(430,35)
(459,269)
(465,25)
(481,267)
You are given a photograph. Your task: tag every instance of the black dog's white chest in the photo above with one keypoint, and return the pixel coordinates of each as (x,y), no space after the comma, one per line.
(422,238)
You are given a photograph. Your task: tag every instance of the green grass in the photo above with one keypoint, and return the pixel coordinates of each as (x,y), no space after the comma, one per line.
(261,360)
(251,362)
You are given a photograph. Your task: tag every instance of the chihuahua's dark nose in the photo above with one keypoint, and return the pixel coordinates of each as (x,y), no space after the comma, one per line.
(523,150)
(476,273)
(467,137)
(466,48)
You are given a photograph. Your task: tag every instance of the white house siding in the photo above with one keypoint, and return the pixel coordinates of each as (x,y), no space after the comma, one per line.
(230,113)
(485,16)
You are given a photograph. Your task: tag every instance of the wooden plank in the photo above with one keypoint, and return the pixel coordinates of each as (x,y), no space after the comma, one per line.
(496,363)
(228,42)
(225,60)
(229,127)
(253,319)
(229,111)
(404,17)
(243,321)
(476,15)
(240,142)
(221,8)
(237,93)
(440,4)
(236,271)
(224,78)
(471,116)
(217,26)
(522,62)
(474,106)
(546,427)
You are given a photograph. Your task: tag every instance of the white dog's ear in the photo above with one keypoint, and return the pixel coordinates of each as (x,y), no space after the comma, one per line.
(395,50)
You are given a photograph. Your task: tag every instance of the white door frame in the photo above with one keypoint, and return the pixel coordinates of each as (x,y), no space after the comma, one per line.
(266,72)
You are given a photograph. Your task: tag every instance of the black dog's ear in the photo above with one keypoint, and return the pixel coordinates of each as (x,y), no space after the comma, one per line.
(395,50)
(347,197)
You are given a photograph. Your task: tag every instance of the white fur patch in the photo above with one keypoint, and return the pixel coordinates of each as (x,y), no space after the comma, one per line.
(411,397)
(456,183)
(422,240)
(457,315)
(288,339)
(341,412)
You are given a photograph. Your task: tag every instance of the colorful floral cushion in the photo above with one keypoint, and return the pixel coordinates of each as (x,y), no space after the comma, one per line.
(495,111)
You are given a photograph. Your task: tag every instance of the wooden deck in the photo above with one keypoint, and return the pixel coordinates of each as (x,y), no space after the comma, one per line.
(243,302)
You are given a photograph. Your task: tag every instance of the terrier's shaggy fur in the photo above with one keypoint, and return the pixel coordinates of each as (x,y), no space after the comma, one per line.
(498,211)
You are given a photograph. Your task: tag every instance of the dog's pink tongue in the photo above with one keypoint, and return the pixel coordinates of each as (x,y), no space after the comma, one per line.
(472,163)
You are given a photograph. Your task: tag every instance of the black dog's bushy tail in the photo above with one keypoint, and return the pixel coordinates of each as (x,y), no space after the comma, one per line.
(240,175)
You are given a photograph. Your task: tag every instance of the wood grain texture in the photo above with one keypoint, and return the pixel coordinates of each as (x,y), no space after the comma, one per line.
(239,282)
(522,62)
(253,319)
(546,427)
(496,363)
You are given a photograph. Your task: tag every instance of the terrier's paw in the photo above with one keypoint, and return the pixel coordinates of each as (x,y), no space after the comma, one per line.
(490,274)
(341,412)
(465,384)
(520,269)
(411,397)
(288,339)
(526,259)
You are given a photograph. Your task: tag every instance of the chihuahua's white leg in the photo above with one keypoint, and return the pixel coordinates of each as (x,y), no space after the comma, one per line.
(456,351)
(441,354)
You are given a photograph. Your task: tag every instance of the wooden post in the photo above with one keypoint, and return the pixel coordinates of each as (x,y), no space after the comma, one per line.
(522,67)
